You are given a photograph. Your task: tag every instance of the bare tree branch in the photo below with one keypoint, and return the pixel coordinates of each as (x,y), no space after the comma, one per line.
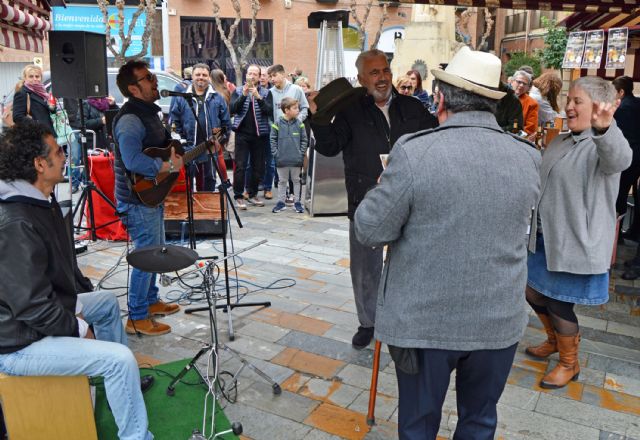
(383,18)
(147,7)
(227,38)
(362,23)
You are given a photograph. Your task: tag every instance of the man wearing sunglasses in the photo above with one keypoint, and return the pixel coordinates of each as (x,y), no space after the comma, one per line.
(136,127)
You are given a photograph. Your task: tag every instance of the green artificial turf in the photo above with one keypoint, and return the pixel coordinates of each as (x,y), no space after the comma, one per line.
(170,418)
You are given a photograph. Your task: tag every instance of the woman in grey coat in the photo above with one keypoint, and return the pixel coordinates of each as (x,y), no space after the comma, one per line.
(576,217)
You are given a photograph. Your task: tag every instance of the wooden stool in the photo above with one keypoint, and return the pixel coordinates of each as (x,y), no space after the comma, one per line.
(47,407)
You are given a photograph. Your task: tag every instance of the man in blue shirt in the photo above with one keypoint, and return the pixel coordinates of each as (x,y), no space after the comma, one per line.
(136,127)
(213,114)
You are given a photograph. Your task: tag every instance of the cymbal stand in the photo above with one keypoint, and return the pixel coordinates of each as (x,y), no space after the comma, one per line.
(211,349)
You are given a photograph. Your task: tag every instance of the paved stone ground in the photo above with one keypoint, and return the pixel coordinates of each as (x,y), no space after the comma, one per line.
(303,342)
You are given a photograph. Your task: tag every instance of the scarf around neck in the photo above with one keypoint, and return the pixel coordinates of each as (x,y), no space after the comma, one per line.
(100,104)
(38,89)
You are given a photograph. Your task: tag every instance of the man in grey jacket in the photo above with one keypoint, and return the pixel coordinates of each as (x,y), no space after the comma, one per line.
(454,207)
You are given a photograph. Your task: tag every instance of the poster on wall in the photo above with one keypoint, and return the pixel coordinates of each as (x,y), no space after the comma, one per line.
(617,48)
(90,19)
(593,49)
(575,48)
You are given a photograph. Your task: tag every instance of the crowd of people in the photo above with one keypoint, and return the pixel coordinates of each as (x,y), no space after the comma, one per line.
(470,247)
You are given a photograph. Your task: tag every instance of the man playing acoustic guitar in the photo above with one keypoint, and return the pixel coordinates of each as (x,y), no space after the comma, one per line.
(137,127)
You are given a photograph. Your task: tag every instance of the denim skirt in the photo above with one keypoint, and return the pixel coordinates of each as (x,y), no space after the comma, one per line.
(565,286)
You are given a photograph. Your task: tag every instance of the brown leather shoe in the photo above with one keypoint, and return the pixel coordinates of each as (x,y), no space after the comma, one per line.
(548,347)
(268,195)
(147,327)
(162,308)
(568,368)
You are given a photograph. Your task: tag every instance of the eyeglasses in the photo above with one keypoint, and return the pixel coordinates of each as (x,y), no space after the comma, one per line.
(149,77)
(406,87)
(520,83)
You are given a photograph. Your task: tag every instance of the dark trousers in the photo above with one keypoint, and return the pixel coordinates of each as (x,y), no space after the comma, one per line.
(629,178)
(480,379)
(248,147)
(204,174)
(365,268)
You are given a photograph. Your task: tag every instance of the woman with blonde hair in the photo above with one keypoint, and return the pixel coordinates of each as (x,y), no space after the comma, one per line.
(573,234)
(404,86)
(546,91)
(31,99)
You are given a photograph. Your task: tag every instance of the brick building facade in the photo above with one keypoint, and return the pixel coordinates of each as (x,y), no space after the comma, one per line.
(293,43)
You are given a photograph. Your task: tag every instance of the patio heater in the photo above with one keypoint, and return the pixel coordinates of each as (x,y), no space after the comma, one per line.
(325,190)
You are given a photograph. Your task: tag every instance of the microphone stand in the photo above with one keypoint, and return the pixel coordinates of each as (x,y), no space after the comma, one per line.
(222,190)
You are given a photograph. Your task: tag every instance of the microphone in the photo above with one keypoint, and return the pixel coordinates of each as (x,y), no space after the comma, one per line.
(166,93)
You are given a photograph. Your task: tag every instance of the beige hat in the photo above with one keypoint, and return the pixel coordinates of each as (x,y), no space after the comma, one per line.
(475,71)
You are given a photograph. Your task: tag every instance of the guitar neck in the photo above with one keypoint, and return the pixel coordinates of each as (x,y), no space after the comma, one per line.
(195,152)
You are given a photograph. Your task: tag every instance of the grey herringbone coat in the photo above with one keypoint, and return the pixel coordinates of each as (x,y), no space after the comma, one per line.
(454,206)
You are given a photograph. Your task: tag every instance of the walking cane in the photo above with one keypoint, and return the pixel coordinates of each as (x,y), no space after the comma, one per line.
(371,419)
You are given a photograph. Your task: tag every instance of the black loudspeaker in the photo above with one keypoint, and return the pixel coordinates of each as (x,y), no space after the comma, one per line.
(78,64)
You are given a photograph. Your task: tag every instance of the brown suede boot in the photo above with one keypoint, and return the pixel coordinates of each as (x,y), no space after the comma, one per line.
(162,308)
(548,347)
(149,327)
(568,368)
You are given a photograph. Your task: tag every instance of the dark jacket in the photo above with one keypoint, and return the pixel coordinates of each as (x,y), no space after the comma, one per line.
(423,96)
(38,294)
(38,108)
(241,106)
(93,121)
(361,133)
(144,116)
(627,117)
(509,110)
(288,142)
(216,116)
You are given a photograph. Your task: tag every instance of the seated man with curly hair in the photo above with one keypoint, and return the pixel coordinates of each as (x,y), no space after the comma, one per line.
(44,326)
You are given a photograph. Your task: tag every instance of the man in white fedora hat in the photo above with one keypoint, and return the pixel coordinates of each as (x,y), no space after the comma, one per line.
(454,205)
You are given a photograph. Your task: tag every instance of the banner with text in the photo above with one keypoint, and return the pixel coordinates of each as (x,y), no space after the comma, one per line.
(574,51)
(617,48)
(593,49)
(90,19)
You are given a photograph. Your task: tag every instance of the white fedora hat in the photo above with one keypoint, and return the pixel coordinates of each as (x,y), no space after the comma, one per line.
(475,71)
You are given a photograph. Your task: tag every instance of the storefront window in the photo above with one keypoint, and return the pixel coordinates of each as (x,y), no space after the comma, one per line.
(201,43)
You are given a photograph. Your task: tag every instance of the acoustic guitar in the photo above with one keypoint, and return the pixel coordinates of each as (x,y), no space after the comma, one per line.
(153,190)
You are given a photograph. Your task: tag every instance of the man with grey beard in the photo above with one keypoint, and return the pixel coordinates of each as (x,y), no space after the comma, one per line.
(362,132)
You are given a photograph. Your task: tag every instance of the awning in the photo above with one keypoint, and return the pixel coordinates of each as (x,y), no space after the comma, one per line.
(17,38)
(608,6)
(585,21)
(23,24)
(23,18)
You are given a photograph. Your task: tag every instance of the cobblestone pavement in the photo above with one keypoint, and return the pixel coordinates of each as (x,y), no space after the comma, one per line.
(303,342)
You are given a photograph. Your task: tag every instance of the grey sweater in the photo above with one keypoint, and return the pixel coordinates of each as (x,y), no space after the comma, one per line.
(288,142)
(580,175)
(454,206)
